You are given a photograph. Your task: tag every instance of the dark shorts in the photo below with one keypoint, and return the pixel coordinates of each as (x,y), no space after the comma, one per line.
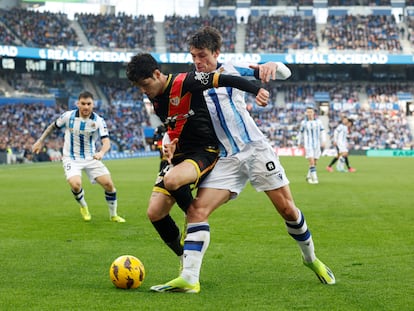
(204,161)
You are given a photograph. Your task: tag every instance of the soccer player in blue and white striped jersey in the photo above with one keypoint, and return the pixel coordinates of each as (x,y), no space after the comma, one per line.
(83,128)
(312,138)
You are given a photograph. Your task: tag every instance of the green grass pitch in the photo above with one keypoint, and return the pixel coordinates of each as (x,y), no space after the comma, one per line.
(362,224)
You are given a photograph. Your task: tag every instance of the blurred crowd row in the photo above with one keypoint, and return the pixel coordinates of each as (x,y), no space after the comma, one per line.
(269,34)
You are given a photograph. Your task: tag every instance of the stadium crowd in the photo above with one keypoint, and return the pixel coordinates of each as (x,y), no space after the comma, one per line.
(270,34)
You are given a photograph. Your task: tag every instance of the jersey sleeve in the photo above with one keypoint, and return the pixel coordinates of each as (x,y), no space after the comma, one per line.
(61,121)
(236,82)
(103,128)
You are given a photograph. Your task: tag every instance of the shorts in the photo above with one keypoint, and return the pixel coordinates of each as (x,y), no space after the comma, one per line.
(93,168)
(312,153)
(342,148)
(203,161)
(257,163)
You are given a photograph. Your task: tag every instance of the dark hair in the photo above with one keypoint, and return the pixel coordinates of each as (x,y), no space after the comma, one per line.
(85,94)
(141,66)
(206,37)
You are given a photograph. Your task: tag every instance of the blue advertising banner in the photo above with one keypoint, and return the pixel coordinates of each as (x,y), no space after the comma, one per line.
(91,55)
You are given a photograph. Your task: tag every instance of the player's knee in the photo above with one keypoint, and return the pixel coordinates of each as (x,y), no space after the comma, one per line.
(75,185)
(171,183)
(288,211)
(154,214)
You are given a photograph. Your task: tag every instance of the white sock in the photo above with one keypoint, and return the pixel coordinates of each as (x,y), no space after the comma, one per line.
(112,202)
(80,197)
(195,246)
(299,231)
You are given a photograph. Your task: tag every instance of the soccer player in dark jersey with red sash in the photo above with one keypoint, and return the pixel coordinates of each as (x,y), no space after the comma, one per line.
(179,102)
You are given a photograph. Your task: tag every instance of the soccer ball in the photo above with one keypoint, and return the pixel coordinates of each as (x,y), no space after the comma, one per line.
(127,272)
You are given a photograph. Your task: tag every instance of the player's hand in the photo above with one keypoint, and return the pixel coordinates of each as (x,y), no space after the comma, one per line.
(37,146)
(262,97)
(98,156)
(169,149)
(267,71)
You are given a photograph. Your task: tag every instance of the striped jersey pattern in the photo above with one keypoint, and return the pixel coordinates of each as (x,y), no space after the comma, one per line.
(311,133)
(341,134)
(232,122)
(81,134)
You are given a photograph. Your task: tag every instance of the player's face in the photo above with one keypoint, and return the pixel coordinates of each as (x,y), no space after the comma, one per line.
(85,106)
(151,86)
(204,59)
(310,114)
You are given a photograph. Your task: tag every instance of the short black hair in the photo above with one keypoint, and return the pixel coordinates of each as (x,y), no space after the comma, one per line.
(85,94)
(141,66)
(206,37)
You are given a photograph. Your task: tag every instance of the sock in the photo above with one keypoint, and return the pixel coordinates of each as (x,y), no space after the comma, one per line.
(333,161)
(195,246)
(299,231)
(169,233)
(110,198)
(347,162)
(312,173)
(80,197)
(183,197)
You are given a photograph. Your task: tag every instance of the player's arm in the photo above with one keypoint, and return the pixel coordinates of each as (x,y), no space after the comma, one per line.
(106,145)
(262,95)
(271,71)
(37,146)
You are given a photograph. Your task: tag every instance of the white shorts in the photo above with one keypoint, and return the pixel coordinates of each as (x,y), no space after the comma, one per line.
(93,168)
(257,163)
(342,148)
(312,153)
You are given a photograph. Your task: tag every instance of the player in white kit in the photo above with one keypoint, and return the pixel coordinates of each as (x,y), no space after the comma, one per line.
(312,137)
(340,141)
(83,128)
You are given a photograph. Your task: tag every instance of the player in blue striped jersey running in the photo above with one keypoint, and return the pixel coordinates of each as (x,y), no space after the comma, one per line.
(312,138)
(83,128)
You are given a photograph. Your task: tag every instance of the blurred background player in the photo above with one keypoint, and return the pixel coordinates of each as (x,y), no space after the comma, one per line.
(312,137)
(340,141)
(83,128)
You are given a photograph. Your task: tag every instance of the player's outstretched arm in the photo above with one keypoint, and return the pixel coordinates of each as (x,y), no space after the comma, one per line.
(37,146)
(272,71)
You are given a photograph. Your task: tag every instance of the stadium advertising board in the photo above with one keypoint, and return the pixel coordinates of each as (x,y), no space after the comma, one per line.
(183,58)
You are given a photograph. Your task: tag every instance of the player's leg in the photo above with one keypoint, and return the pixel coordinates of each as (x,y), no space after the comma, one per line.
(346,162)
(329,167)
(110,196)
(73,174)
(158,213)
(297,228)
(225,181)
(182,177)
(268,175)
(312,178)
(196,242)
